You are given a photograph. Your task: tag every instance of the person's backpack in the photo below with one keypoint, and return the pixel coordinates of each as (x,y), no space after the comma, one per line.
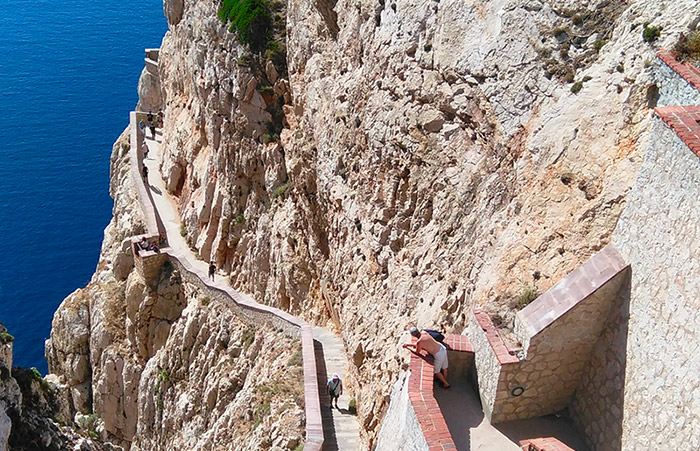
(437,336)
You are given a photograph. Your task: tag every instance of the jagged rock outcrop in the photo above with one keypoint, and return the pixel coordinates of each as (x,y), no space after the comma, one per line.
(161,364)
(31,415)
(221,384)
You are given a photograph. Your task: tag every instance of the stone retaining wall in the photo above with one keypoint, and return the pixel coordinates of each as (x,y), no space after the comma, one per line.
(400,429)
(558,332)
(659,235)
(679,84)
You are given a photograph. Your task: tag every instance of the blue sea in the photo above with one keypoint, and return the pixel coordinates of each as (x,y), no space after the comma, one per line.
(68,76)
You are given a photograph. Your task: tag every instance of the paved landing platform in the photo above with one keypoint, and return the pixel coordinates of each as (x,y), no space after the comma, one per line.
(471,431)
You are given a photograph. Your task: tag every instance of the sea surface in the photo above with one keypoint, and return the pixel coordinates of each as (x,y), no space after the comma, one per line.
(68,76)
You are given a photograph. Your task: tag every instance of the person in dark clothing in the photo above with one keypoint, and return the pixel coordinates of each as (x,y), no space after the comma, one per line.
(151,124)
(144,172)
(212,268)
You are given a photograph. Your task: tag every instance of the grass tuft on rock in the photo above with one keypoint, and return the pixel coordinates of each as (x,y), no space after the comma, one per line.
(688,48)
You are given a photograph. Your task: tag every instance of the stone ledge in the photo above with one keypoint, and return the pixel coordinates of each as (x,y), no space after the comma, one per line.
(544,444)
(504,354)
(569,292)
(689,72)
(685,122)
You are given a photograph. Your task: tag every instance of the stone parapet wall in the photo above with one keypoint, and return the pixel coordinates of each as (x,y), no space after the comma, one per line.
(400,429)
(559,331)
(414,420)
(487,365)
(679,83)
(659,235)
(150,214)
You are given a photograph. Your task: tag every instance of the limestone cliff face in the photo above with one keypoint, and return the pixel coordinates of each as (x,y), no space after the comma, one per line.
(436,156)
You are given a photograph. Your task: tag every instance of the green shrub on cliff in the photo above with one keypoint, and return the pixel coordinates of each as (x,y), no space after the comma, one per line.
(6,338)
(650,33)
(250,19)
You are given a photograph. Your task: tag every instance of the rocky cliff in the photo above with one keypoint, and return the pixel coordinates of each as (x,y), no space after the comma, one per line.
(409,161)
(164,365)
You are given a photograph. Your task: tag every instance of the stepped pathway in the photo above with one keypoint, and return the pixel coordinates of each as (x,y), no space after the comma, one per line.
(340,428)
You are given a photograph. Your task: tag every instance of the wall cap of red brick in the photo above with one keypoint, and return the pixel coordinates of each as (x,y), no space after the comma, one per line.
(572,289)
(544,444)
(685,122)
(690,73)
(504,353)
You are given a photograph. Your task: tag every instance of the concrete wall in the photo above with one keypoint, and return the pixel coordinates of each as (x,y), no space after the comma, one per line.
(659,235)
(400,429)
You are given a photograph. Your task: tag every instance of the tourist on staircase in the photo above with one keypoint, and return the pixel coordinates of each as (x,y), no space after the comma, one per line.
(334,388)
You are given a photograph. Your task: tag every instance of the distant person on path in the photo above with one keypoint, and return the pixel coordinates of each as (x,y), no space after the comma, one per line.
(144,172)
(334,388)
(159,119)
(144,148)
(212,269)
(151,124)
(437,350)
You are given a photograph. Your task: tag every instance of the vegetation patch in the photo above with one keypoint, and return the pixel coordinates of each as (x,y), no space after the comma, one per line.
(650,33)
(248,338)
(89,424)
(250,19)
(261,411)
(296,359)
(572,34)
(279,191)
(688,48)
(6,338)
(162,384)
(528,294)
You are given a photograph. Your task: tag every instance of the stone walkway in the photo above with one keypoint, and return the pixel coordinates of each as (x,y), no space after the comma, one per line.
(471,431)
(340,428)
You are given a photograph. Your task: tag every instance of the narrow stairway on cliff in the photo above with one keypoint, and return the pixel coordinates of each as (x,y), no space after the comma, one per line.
(340,427)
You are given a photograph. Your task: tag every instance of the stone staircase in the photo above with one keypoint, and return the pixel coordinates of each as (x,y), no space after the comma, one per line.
(340,428)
